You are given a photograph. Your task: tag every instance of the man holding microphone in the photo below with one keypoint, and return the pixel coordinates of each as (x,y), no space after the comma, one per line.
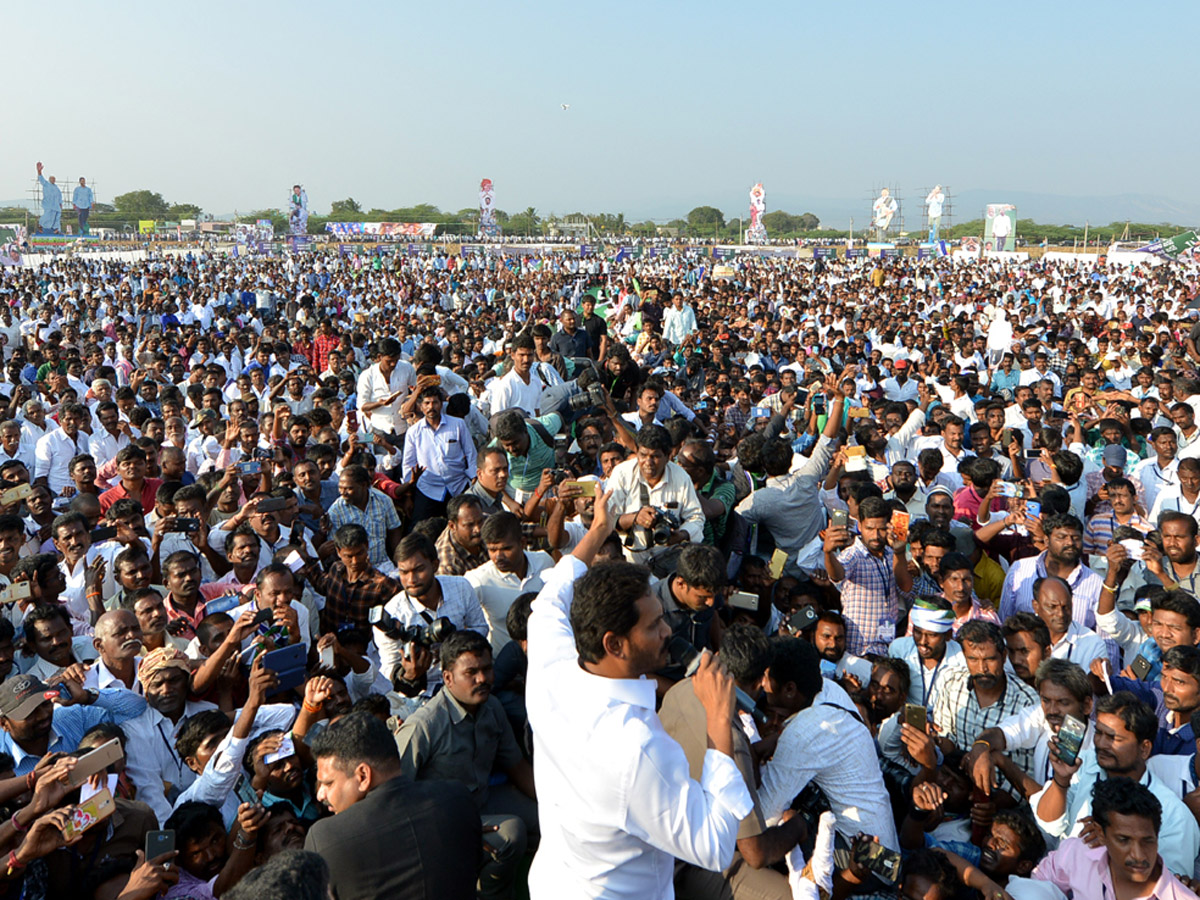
(618,805)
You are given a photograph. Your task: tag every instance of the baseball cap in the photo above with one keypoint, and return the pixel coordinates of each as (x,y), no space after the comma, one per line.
(900,364)
(21,695)
(1114,455)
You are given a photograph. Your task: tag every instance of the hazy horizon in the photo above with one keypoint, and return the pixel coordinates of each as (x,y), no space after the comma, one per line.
(672,106)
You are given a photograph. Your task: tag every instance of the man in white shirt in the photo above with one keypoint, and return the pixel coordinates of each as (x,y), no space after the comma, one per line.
(522,387)
(899,387)
(57,448)
(383,386)
(650,483)
(510,571)
(679,321)
(616,801)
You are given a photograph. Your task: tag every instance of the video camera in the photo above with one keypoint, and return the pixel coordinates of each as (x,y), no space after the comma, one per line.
(427,635)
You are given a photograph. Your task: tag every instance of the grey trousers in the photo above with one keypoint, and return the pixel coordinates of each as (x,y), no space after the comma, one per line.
(514,815)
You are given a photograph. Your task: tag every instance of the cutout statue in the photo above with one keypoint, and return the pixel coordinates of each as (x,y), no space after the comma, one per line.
(933,206)
(51,220)
(883,209)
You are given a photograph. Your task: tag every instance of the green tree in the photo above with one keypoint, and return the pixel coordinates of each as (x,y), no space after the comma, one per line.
(141,205)
(706,216)
(345,208)
(179,211)
(809,222)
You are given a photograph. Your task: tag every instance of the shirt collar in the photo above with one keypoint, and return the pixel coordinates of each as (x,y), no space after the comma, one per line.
(632,691)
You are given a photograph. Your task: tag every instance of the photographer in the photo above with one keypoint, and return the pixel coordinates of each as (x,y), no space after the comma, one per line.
(654,501)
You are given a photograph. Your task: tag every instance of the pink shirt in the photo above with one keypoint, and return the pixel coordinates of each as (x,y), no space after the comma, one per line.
(1076,867)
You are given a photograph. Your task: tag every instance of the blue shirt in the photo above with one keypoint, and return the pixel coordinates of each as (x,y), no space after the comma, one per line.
(51,196)
(82,197)
(447,454)
(71,723)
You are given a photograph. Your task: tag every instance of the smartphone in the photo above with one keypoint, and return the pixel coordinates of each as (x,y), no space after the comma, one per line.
(778,561)
(286,748)
(263,616)
(1135,548)
(245,791)
(1033,509)
(859,412)
(1007,489)
(801,396)
(186,525)
(743,600)
(250,467)
(15,494)
(92,811)
(759,413)
(326,655)
(18,590)
(1070,739)
(223,604)
(900,525)
(915,715)
(159,842)
(1141,667)
(271,504)
(294,561)
(818,404)
(804,617)
(104,533)
(586,488)
(878,859)
(96,761)
(839,518)
(1031,455)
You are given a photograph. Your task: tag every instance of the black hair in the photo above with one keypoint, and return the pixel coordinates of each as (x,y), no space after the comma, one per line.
(1033,843)
(932,865)
(1061,520)
(191,821)
(1167,515)
(204,630)
(357,738)
(1136,716)
(44,612)
(503,526)
(1125,797)
(1067,675)
(1179,602)
(463,642)
(606,601)
(350,535)
(745,652)
(413,544)
(874,508)
(897,667)
(516,620)
(197,728)
(290,875)
(655,437)
(1185,658)
(796,660)
(701,566)
(979,631)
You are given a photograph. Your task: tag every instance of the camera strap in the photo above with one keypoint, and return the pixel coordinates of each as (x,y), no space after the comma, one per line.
(644,500)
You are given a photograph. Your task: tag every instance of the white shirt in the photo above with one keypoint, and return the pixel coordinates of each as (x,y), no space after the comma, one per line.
(675,486)
(497,590)
(1154,479)
(103,446)
(100,678)
(824,743)
(617,805)
(511,392)
(459,605)
(372,387)
(53,454)
(1028,730)
(154,760)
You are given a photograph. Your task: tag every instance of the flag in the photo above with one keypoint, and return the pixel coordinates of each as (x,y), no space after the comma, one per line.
(622,254)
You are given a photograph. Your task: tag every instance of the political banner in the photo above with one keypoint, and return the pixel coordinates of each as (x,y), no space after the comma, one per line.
(723,253)
(11,239)
(487,209)
(1000,227)
(1172,247)
(757,232)
(855,252)
(722,271)
(383,229)
(147,226)
(824,252)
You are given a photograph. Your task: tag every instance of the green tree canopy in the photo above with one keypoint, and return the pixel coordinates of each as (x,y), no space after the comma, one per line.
(179,211)
(347,207)
(706,215)
(141,205)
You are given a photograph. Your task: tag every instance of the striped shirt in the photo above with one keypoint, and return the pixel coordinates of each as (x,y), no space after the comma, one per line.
(959,717)
(1017,595)
(1099,531)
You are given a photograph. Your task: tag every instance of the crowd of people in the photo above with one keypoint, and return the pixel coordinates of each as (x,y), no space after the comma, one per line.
(421,575)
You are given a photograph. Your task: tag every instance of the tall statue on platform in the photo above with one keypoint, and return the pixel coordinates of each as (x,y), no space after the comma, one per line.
(757,232)
(81,199)
(883,210)
(298,211)
(51,220)
(933,206)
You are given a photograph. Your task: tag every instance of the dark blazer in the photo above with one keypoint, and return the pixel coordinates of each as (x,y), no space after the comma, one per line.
(404,841)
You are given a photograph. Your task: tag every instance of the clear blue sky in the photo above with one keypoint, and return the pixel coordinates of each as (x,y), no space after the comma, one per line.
(672,105)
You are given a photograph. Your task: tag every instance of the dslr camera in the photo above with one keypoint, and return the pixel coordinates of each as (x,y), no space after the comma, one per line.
(592,395)
(665,521)
(427,635)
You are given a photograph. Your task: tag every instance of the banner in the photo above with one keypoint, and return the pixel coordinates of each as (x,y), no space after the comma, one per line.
(757,232)
(1172,247)
(298,211)
(724,253)
(487,209)
(11,239)
(147,226)
(824,252)
(384,229)
(1000,227)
